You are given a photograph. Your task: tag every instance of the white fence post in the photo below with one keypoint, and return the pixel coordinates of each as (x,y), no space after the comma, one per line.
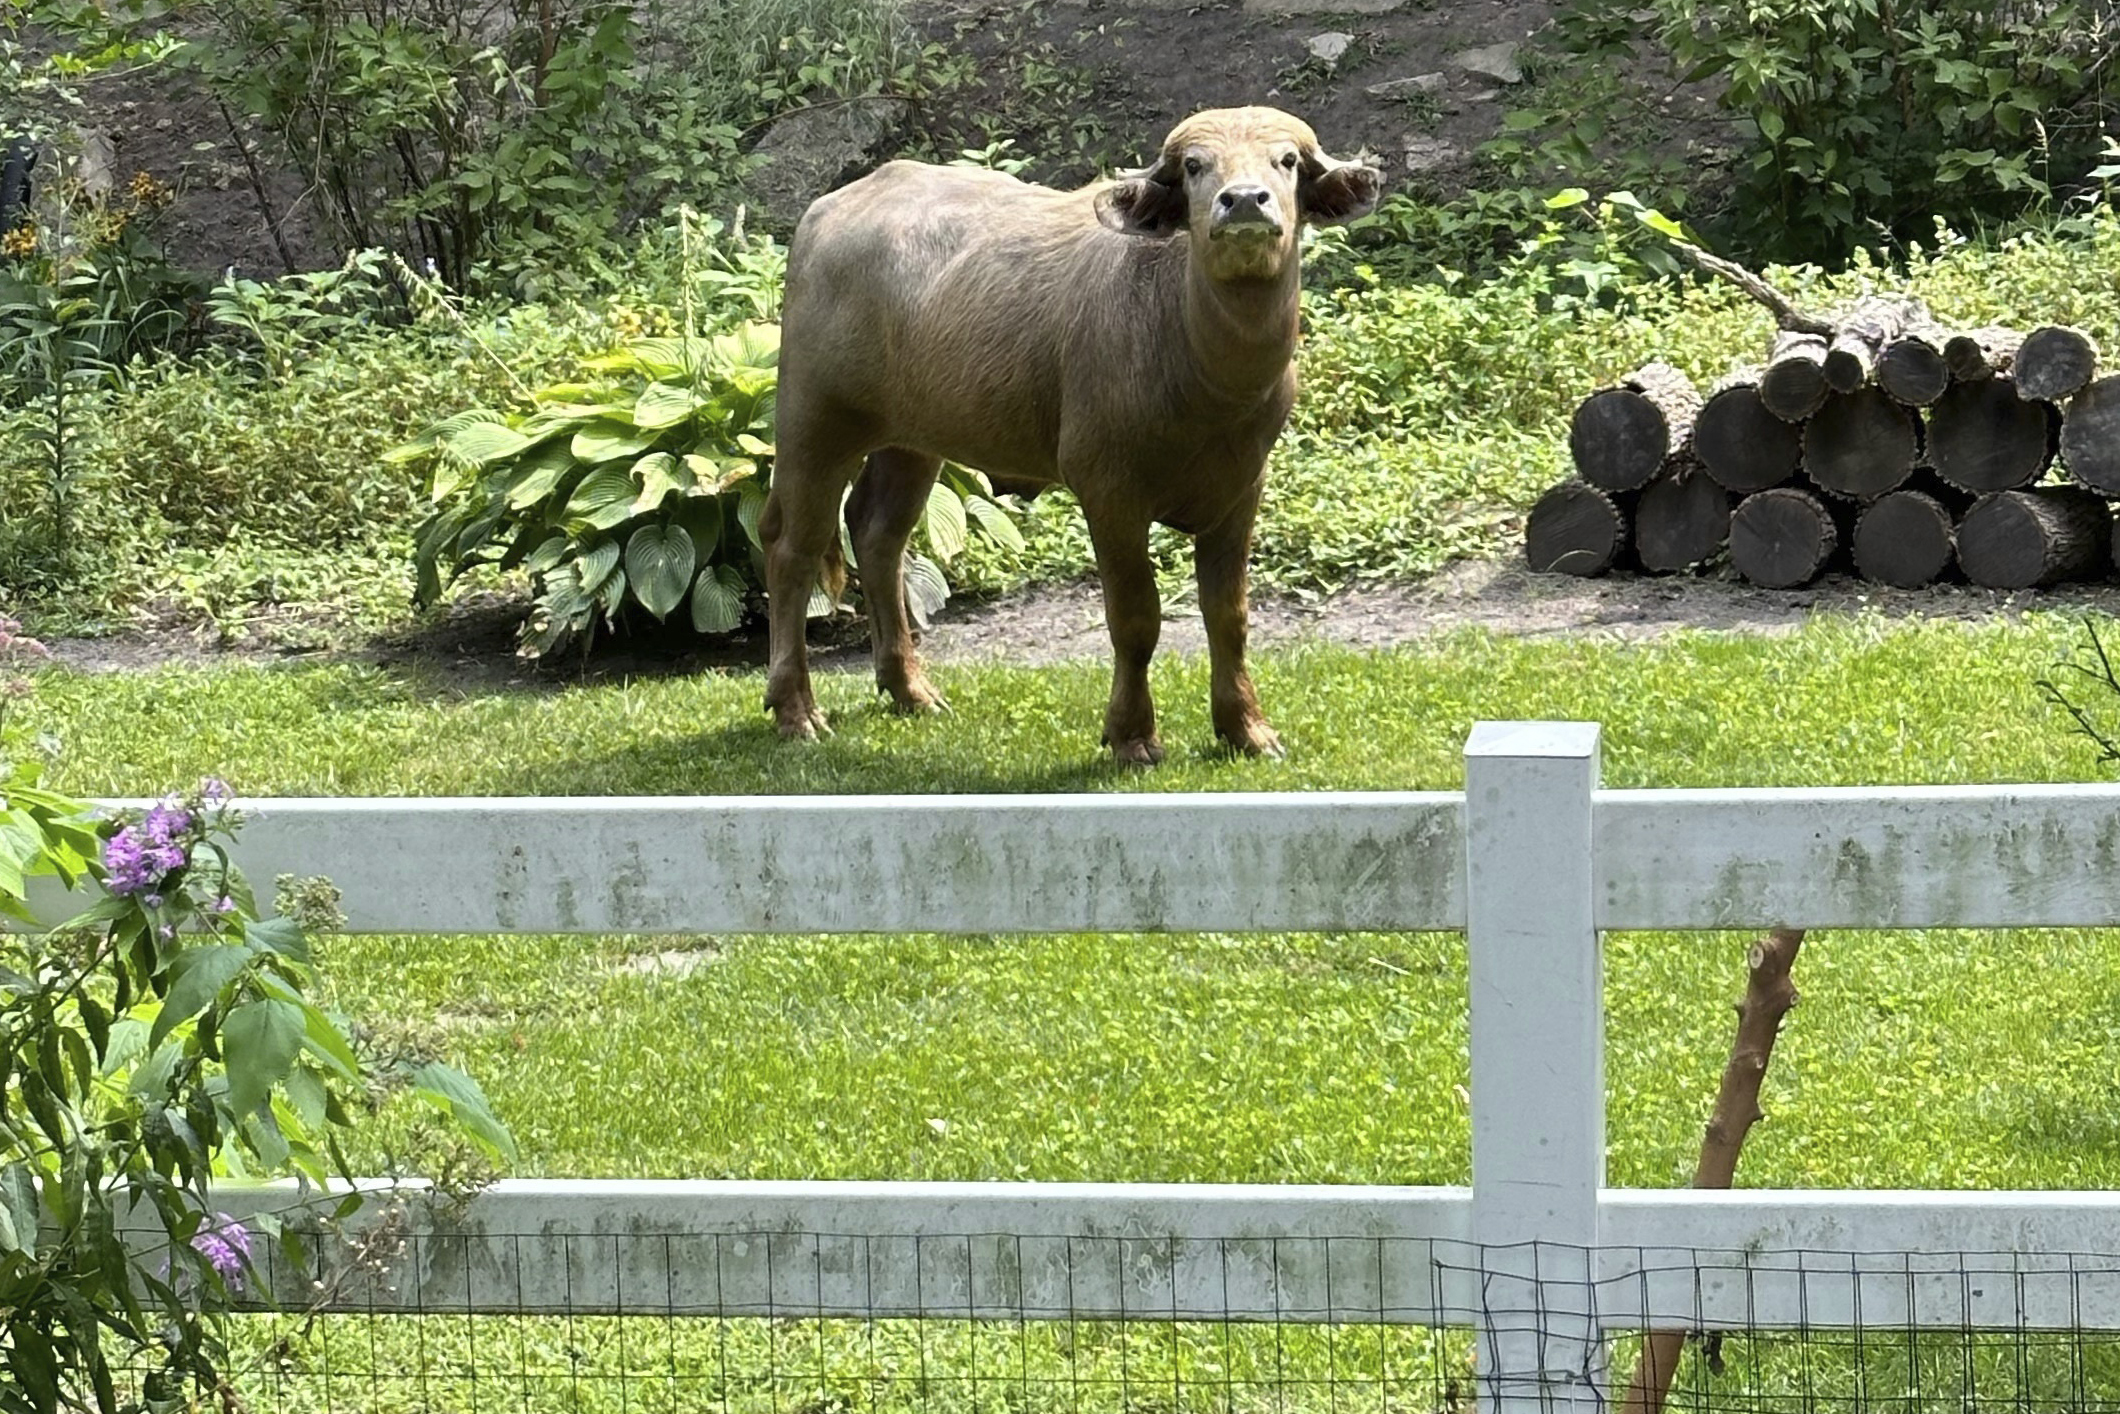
(1538,1073)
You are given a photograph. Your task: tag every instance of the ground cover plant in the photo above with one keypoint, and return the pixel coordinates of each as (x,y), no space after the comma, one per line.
(1387,470)
(1294,1058)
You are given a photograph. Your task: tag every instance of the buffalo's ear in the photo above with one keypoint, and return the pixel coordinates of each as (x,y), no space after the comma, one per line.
(1333,192)
(1142,206)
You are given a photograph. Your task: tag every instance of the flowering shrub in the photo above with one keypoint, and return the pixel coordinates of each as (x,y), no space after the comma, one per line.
(157,1041)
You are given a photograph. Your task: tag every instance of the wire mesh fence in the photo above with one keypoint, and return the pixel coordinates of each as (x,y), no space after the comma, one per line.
(785,1322)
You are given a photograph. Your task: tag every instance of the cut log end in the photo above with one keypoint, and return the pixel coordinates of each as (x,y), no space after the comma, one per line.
(2090,436)
(1912,370)
(1861,445)
(1981,353)
(1744,446)
(2029,539)
(1680,521)
(1794,383)
(1783,538)
(1574,529)
(1983,437)
(2054,362)
(1904,540)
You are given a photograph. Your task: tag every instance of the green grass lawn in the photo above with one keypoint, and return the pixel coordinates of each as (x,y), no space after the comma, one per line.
(1937,1060)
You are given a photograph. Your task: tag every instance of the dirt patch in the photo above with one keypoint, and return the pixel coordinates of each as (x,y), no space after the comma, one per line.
(470,646)
(1417,85)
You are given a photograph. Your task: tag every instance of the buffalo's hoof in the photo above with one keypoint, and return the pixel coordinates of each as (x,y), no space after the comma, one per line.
(801,722)
(1140,751)
(1255,739)
(916,697)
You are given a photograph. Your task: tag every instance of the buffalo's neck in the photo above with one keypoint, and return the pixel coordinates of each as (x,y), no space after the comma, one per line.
(1241,334)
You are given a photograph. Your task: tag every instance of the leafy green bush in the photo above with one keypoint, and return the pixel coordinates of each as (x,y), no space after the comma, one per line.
(505,146)
(1853,119)
(156,1042)
(84,293)
(642,488)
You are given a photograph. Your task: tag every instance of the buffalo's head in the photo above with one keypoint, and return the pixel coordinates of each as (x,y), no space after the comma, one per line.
(1243,181)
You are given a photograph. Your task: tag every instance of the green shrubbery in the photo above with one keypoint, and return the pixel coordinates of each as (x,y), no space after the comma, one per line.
(160,1040)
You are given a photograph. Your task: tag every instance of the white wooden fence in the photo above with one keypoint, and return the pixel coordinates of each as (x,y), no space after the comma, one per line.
(1531,860)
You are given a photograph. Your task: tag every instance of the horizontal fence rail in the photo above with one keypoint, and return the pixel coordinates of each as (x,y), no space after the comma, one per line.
(1288,1254)
(1532,861)
(1899,857)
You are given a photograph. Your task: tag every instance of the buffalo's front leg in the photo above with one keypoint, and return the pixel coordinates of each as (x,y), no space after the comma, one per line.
(1133,614)
(1221,562)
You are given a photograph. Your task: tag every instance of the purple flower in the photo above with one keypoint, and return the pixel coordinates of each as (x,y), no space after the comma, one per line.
(225,1243)
(166,821)
(214,791)
(136,858)
(224,904)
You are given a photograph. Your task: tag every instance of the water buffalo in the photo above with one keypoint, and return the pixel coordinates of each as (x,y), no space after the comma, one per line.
(1130,340)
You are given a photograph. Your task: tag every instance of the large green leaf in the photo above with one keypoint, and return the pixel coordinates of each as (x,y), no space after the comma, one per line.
(260,1041)
(659,474)
(946,530)
(927,589)
(201,973)
(659,562)
(547,556)
(717,599)
(750,506)
(604,498)
(995,521)
(598,563)
(433,436)
(458,1093)
(544,468)
(701,518)
(608,439)
(484,443)
(664,405)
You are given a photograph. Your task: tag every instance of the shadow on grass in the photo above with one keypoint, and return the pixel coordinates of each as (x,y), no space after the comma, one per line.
(861,757)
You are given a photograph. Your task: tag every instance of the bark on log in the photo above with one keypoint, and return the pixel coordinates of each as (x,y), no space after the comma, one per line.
(1621,436)
(2090,436)
(1743,446)
(1912,370)
(1861,332)
(1861,444)
(1904,540)
(1983,437)
(1682,519)
(1794,385)
(2054,362)
(1769,996)
(1981,353)
(1575,529)
(1783,538)
(2026,539)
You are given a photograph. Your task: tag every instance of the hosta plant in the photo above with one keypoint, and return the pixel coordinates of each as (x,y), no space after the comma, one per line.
(639,489)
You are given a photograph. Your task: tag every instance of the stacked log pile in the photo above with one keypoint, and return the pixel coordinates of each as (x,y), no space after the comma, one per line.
(1872,440)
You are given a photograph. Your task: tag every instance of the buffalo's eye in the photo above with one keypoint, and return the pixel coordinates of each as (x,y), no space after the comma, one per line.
(1192,166)
(1288,160)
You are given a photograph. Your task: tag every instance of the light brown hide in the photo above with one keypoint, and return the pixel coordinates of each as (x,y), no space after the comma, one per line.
(1131,340)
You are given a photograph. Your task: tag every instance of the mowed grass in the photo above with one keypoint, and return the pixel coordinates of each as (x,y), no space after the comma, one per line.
(1928,1060)
(1943,1060)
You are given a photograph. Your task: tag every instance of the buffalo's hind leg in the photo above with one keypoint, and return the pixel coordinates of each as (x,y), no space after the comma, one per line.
(889,498)
(800,528)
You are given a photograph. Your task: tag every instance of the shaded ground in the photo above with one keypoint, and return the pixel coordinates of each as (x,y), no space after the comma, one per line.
(472,642)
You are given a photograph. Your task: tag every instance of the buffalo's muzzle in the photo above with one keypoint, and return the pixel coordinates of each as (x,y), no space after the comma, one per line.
(1244,211)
